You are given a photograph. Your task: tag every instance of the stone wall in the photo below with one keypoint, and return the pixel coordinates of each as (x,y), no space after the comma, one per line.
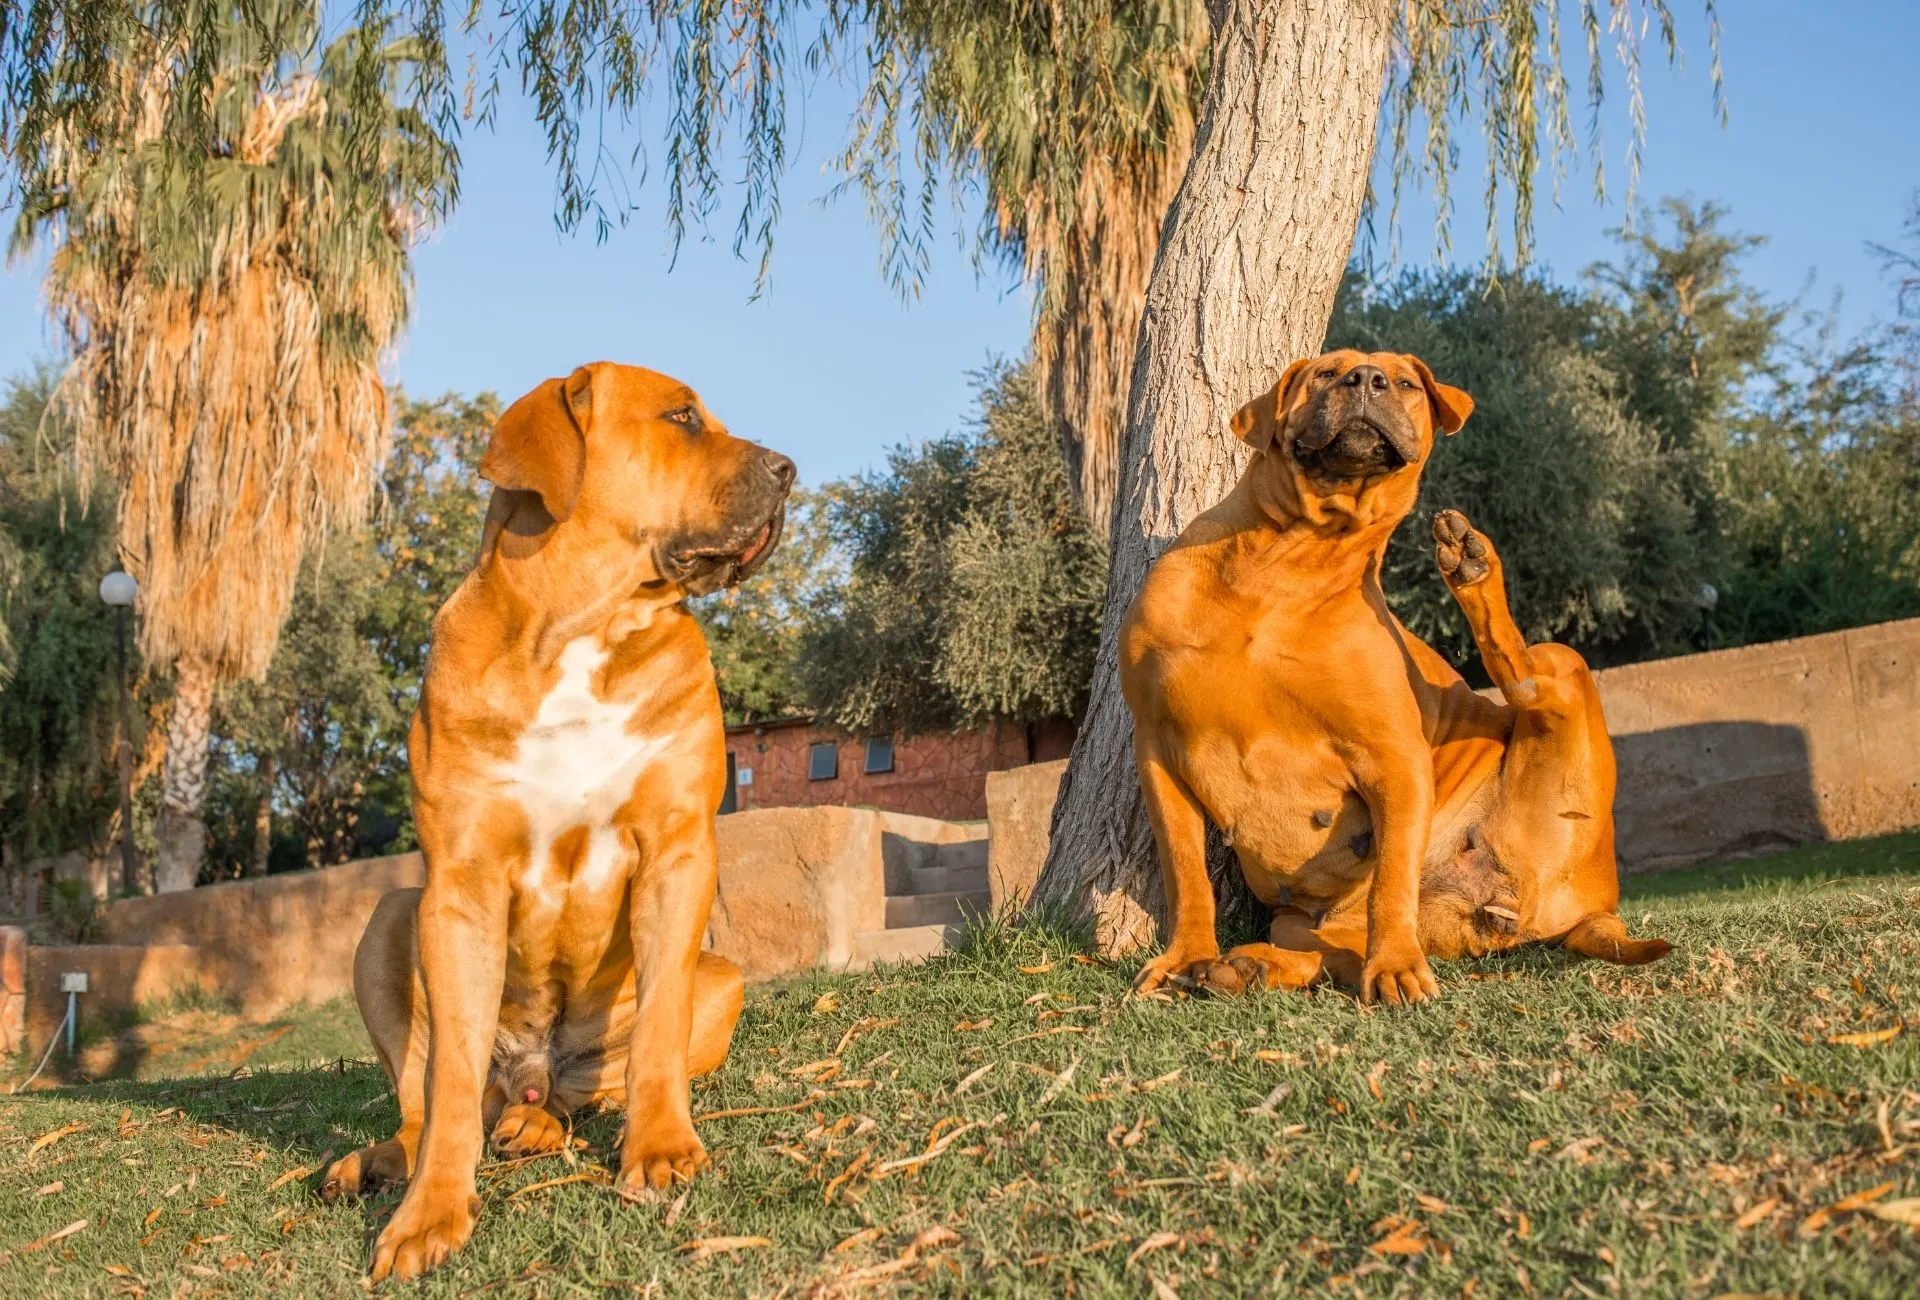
(797,885)
(1720,755)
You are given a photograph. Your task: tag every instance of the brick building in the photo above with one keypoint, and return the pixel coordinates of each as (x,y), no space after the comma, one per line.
(792,762)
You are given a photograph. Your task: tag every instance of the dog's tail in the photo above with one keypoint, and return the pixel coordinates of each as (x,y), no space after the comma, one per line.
(1604,935)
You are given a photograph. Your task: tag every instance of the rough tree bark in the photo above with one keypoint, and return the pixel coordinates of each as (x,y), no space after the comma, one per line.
(1250,258)
(180,832)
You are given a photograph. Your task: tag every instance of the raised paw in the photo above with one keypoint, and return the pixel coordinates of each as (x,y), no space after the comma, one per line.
(429,1226)
(527,1131)
(660,1156)
(1460,550)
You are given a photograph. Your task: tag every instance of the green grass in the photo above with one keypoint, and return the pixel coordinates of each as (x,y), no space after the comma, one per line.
(1547,1129)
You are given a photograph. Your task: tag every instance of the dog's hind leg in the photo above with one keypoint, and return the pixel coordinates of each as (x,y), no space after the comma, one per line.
(1551,827)
(393,1006)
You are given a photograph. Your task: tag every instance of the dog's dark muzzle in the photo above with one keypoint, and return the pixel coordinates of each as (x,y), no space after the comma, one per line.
(702,565)
(1355,439)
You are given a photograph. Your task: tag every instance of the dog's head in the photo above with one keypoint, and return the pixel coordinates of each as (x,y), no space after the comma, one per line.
(1348,422)
(634,458)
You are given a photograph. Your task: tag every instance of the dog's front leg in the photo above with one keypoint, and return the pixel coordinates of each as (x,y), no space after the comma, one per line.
(1180,836)
(1398,789)
(671,896)
(462,932)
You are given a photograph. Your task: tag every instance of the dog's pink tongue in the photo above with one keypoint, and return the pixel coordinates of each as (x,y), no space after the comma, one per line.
(533,1095)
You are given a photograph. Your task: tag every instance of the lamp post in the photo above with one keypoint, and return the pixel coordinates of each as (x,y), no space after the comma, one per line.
(118,590)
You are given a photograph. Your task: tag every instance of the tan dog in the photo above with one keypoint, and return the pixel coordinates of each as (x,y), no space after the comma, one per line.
(1376,803)
(567,763)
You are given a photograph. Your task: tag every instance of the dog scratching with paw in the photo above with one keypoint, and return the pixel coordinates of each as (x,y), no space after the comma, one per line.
(1383,810)
(567,758)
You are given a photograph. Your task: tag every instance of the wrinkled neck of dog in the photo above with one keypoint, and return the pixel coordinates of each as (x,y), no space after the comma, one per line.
(562,580)
(1361,513)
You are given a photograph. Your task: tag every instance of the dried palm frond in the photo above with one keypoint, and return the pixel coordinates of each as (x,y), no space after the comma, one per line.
(229,299)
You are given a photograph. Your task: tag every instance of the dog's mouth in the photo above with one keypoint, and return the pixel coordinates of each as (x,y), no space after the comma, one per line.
(1357,449)
(703,568)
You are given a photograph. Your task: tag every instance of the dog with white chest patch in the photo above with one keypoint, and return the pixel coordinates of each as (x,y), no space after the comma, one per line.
(567,759)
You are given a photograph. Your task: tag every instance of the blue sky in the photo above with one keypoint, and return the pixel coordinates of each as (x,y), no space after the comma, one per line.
(1820,155)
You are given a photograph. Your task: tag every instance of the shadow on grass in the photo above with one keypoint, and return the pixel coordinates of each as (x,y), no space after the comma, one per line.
(305,1112)
(1809,865)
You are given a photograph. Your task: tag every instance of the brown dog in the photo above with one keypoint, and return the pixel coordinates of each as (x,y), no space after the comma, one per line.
(1379,806)
(567,762)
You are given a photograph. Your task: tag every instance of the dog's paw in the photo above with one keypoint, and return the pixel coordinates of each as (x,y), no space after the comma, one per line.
(1174,968)
(428,1227)
(364,1172)
(1396,974)
(1459,548)
(659,1156)
(1252,968)
(527,1131)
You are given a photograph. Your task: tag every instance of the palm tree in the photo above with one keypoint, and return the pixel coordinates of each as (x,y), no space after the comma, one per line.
(230,265)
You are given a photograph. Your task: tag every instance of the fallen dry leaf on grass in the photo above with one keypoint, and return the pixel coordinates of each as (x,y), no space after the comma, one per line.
(1161,1291)
(1871,1038)
(1580,1149)
(1431,1204)
(973,1078)
(739,1112)
(1060,1082)
(859,1238)
(933,1152)
(46,1140)
(1041,969)
(1860,1200)
(968,1026)
(1158,1241)
(300,1172)
(701,1246)
(1905,1211)
(41,1243)
(864,1025)
(828,1001)
(1266,1108)
(52,1187)
(1757,1214)
(591,1176)
(1406,1239)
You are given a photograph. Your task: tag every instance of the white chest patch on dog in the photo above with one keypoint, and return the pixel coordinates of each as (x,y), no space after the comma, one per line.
(575,765)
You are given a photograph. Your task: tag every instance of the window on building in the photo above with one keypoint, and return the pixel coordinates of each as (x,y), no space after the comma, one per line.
(879,754)
(823,761)
(730,801)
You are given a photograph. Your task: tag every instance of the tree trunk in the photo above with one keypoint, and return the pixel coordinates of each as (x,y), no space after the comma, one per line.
(1249,261)
(263,818)
(182,835)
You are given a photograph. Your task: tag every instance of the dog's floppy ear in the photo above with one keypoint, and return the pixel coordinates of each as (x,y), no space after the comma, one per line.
(540,444)
(1257,421)
(1451,406)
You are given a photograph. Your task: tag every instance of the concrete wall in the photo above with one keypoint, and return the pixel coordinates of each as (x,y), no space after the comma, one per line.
(1723,754)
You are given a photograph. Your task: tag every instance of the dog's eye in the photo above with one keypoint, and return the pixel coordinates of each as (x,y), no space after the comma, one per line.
(1408,384)
(1326,374)
(685,416)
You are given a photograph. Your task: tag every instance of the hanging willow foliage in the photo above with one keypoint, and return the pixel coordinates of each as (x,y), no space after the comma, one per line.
(1074,117)
(229,279)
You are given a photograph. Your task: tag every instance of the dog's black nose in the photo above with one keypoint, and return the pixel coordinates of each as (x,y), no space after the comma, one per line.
(781,468)
(1371,378)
